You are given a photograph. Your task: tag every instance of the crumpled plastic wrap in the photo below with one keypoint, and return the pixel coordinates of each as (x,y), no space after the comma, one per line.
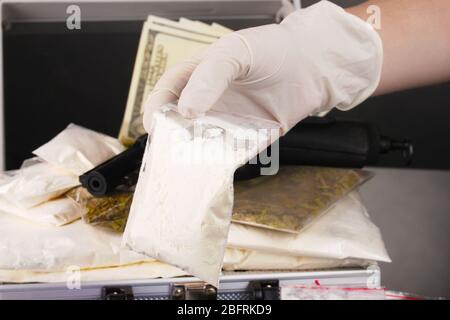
(38,183)
(36,190)
(30,246)
(57,212)
(78,149)
(35,184)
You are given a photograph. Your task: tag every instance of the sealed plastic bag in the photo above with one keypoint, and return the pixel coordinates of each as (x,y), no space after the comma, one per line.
(55,212)
(109,212)
(35,183)
(346,231)
(241,259)
(36,247)
(181,210)
(78,149)
(294,197)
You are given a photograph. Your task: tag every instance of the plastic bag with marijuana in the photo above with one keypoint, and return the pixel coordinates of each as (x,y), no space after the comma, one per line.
(293,198)
(109,212)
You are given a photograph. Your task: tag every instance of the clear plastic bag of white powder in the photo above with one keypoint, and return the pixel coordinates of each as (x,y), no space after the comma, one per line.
(182,206)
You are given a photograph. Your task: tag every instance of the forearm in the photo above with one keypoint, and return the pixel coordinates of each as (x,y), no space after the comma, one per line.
(416,42)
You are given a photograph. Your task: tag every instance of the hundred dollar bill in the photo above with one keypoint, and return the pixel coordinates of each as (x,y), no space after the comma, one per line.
(162,44)
(187,24)
(201,39)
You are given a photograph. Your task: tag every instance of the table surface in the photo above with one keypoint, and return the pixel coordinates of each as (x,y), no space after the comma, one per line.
(412,209)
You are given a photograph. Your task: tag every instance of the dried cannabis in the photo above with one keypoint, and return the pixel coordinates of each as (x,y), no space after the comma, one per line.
(109,212)
(294,197)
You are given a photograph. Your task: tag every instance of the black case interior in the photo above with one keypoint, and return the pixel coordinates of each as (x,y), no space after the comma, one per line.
(54,76)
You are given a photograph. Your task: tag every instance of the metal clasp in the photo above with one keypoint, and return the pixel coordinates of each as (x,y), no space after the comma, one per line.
(193,291)
(265,290)
(117,293)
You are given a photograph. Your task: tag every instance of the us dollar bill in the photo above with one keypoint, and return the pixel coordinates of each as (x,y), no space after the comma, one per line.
(162,44)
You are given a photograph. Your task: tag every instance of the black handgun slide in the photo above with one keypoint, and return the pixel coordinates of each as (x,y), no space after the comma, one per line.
(314,141)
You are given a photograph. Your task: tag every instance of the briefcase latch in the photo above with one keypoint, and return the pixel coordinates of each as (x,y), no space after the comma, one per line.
(193,291)
(265,290)
(117,293)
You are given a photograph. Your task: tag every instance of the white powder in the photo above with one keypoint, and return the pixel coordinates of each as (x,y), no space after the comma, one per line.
(34,246)
(78,149)
(72,152)
(182,206)
(54,212)
(36,183)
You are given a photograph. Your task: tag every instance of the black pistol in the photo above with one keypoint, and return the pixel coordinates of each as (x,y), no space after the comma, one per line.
(104,178)
(314,141)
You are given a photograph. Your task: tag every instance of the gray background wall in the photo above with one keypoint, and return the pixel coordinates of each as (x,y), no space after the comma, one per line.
(412,207)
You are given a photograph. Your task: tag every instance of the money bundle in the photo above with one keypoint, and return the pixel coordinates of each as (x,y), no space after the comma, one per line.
(162,44)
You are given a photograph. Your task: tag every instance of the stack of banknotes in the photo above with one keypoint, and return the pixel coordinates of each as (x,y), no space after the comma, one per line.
(162,44)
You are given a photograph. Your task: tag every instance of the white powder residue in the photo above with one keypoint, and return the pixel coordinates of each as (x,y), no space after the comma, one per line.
(35,184)
(79,149)
(182,206)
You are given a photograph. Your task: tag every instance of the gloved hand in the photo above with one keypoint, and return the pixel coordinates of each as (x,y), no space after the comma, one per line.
(316,59)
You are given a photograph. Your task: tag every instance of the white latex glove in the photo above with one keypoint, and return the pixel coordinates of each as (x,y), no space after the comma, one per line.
(316,59)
